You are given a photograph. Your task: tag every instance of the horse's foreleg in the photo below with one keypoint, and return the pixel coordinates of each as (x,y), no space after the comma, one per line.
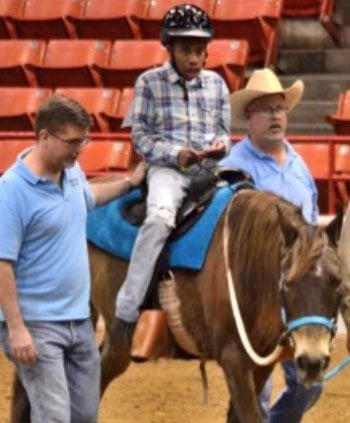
(244,406)
(113,362)
(20,407)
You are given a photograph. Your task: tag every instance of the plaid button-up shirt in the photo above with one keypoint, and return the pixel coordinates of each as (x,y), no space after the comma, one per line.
(170,113)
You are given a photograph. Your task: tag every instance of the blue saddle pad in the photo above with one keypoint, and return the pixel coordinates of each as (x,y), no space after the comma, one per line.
(108,230)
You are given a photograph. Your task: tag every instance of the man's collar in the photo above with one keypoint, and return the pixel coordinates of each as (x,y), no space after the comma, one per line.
(259,153)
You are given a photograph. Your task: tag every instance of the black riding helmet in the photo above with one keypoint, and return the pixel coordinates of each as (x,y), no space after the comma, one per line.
(186,20)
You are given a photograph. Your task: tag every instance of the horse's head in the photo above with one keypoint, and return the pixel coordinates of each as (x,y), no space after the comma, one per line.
(310,293)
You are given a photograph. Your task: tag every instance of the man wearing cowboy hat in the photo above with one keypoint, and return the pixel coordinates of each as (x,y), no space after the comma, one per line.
(275,166)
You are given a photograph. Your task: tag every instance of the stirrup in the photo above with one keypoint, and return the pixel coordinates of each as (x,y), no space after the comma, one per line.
(151,336)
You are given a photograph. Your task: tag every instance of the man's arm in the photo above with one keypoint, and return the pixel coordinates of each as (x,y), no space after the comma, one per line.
(20,340)
(105,192)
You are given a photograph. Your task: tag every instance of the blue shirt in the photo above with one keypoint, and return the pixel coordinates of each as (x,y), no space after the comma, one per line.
(292,181)
(168,116)
(43,231)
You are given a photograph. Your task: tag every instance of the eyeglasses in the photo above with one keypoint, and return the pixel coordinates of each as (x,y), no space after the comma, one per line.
(268,110)
(72,142)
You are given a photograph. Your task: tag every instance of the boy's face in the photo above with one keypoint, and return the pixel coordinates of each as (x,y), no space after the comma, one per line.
(189,55)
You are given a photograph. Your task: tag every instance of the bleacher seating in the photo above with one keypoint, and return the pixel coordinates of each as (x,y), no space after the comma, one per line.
(254,20)
(18,107)
(316,156)
(93,51)
(342,172)
(95,101)
(9,150)
(106,157)
(9,8)
(229,59)
(14,56)
(150,21)
(68,63)
(109,19)
(341,119)
(116,116)
(43,19)
(321,9)
(300,8)
(128,59)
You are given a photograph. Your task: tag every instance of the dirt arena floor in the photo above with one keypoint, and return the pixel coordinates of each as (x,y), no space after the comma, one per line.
(169,391)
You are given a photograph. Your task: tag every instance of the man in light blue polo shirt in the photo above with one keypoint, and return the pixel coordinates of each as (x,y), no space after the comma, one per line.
(45,326)
(275,167)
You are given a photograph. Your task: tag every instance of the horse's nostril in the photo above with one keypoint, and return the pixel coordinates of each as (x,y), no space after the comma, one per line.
(302,362)
(313,367)
(326,360)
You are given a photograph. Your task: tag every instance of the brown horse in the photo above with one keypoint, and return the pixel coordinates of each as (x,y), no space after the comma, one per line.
(278,263)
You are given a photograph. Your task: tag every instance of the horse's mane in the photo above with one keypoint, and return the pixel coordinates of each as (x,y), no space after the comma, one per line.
(256,249)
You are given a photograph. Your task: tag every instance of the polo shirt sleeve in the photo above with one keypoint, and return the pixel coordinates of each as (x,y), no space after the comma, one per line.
(12,225)
(89,196)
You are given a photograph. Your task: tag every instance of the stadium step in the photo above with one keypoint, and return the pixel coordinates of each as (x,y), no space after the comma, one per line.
(320,87)
(310,111)
(335,60)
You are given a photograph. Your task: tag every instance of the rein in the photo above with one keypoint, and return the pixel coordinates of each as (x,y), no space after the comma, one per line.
(259,360)
(290,326)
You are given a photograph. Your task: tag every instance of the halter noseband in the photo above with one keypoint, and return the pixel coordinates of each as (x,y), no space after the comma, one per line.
(330,324)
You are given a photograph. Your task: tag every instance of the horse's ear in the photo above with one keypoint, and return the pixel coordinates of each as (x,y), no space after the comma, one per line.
(290,233)
(334,227)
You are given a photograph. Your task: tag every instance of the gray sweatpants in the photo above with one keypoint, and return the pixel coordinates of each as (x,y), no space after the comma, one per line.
(166,192)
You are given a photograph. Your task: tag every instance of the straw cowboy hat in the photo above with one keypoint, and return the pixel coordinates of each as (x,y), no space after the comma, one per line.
(264,82)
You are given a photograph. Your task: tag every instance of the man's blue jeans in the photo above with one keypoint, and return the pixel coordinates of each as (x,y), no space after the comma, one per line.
(293,401)
(64,385)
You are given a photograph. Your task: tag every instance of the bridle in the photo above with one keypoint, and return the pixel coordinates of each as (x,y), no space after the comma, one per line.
(290,326)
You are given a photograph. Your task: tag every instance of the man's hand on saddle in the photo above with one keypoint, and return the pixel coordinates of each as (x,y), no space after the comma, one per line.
(138,174)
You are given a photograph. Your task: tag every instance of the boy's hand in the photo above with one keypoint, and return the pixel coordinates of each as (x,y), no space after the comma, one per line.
(216,151)
(188,157)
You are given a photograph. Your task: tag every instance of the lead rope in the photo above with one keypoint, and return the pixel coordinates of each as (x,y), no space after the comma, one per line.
(260,361)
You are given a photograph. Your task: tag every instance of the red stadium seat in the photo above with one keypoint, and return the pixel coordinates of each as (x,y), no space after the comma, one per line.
(341,119)
(68,63)
(95,101)
(322,9)
(150,22)
(301,8)
(106,157)
(14,56)
(342,172)
(229,58)
(47,19)
(128,59)
(18,107)
(9,8)
(254,20)
(116,116)
(9,151)
(109,19)
(316,156)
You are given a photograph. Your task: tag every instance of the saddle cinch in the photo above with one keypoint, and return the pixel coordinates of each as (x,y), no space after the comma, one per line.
(160,317)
